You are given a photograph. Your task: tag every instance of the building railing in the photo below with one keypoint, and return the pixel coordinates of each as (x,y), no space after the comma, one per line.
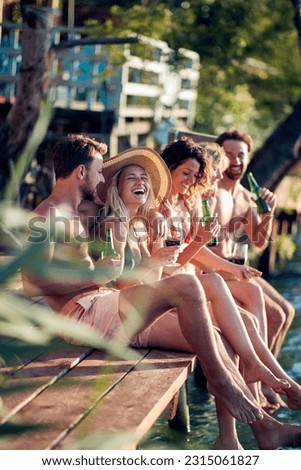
(136,81)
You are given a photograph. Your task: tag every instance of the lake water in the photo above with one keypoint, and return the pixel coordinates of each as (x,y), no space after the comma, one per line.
(202,408)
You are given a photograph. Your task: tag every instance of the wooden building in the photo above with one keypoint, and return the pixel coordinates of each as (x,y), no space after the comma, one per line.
(116,92)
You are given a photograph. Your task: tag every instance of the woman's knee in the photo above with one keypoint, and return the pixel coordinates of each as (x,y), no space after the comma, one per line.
(288,311)
(214,281)
(253,294)
(275,315)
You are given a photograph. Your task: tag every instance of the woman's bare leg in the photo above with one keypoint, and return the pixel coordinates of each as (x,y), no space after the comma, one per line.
(250,297)
(230,322)
(280,314)
(166,332)
(269,400)
(227,438)
(185,293)
(269,433)
(294,392)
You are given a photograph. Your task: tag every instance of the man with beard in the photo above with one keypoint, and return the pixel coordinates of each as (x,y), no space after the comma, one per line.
(239,217)
(78,170)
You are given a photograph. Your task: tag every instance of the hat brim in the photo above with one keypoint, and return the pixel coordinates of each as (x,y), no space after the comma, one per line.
(149,160)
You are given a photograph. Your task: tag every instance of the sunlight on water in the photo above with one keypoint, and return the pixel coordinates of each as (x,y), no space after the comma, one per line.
(202,409)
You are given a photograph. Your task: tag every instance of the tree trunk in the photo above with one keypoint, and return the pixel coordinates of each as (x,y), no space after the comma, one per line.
(297,18)
(280,152)
(32,86)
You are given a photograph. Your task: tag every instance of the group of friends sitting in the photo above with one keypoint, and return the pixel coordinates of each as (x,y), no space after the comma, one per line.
(184,295)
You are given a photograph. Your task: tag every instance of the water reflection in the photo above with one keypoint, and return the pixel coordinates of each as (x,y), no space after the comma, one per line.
(202,408)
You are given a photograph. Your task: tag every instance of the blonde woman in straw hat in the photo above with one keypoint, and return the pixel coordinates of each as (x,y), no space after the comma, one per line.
(131,198)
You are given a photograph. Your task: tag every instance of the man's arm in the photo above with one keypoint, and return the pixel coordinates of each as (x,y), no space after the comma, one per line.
(64,279)
(60,263)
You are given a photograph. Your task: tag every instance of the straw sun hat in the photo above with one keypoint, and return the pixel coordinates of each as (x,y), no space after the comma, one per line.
(145,157)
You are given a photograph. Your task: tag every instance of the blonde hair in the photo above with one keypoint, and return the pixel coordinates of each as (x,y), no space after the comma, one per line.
(217,155)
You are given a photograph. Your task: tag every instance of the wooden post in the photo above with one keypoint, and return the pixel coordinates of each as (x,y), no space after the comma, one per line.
(1,19)
(180,421)
(71,14)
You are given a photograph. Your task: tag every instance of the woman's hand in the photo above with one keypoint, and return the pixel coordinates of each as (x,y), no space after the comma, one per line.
(162,256)
(204,233)
(242,272)
(158,224)
(165,208)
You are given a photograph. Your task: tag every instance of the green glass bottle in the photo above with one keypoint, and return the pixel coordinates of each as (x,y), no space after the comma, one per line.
(108,249)
(262,205)
(206,218)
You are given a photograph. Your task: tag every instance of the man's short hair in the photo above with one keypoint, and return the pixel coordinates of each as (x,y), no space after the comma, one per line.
(235,134)
(73,150)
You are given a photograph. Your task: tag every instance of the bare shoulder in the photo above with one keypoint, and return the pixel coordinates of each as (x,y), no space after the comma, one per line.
(48,208)
(42,209)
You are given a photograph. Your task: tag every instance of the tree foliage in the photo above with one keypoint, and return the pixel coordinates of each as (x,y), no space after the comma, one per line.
(250,74)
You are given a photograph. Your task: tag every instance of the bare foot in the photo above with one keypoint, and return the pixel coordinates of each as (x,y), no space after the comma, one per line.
(272,435)
(293,395)
(256,372)
(270,408)
(264,402)
(238,405)
(274,400)
(227,443)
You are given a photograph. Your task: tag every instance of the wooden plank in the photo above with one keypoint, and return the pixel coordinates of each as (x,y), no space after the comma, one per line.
(142,397)
(24,353)
(40,374)
(64,404)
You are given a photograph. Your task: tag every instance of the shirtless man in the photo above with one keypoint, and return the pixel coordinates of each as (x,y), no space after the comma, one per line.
(83,295)
(238,213)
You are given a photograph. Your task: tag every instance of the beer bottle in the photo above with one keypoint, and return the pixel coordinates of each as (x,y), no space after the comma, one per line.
(206,218)
(263,207)
(109,250)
